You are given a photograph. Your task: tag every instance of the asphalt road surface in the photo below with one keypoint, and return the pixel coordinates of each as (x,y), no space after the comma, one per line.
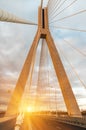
(39,123)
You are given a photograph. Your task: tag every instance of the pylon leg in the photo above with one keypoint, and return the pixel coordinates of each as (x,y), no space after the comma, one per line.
(69,98)
(19,89)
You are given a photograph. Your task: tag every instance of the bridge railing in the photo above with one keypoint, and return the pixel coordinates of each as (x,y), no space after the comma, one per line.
(73,121)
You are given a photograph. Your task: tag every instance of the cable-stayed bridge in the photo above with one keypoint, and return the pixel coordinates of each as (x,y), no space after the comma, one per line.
(48,75)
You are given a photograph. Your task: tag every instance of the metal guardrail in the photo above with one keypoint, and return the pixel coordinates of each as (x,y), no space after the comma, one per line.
(73,121)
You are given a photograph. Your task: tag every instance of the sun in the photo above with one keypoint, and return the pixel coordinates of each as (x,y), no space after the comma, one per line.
(29,109)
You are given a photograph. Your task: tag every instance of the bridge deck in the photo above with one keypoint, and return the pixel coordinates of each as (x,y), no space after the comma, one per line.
(42,122)
(47,123)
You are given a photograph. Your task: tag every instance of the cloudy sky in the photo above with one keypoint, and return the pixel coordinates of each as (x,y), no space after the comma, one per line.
(15,41)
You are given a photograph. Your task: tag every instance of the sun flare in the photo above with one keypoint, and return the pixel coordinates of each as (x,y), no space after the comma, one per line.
(29,109)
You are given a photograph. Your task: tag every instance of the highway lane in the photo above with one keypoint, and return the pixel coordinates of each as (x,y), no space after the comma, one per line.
(39,123)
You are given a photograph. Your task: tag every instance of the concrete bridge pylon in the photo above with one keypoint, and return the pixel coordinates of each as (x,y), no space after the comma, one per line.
(44,33)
